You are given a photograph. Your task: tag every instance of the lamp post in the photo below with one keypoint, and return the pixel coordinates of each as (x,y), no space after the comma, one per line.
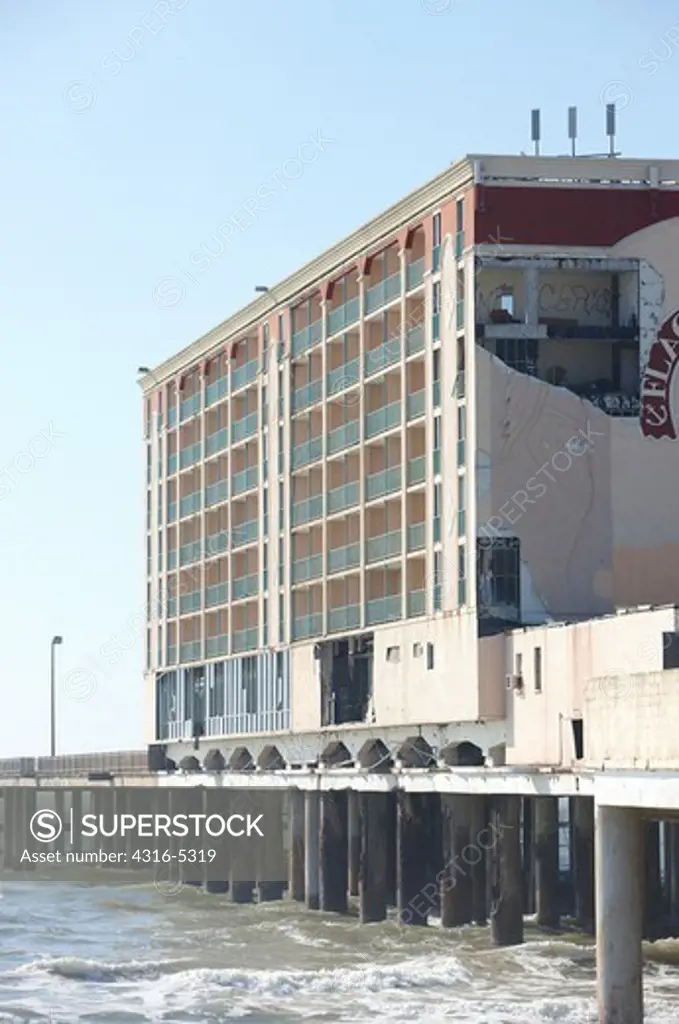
(56,640)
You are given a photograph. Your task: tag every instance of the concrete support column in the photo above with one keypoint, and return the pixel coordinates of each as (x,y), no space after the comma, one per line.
(546,811)
(311,848)
(672,833)
(296,848)
(391,811)
(506,912)
(412,857)
(619,873)
(333,852)
(653,903)
(373,857)
(582,845)
(528,855)
(483,838)
(457,843)
(354,827)
(531,285)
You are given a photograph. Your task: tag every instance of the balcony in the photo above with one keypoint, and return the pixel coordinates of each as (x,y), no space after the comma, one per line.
(214,493)
(307,568)
(171,654)
(415,339)
(217,594)
(189,407)
(437,461)
(437,394)
(244,427)
(215,645)
(244,533)
(459,386)
(342,316)
(245,586)
(417,603)
(171,607)
(307,509)
(346,557)
(387,545)
(346,616)
(215,391)
(383,609)
(244,374)
(189,553)
(190,504)
(306,337)
(307,625)
(386,418)
(383,292)
(190,602)
(216,442)
(302,398)
(190,455)
(343,377)
(343,437)
(216,543)
(459,245)
(244,481)
(386,354)
(437,529)
(245,639)
(416,536)
(172,464)
(172,417)
(385,482)
(414,274)
(415,405)
(460,452)
(343,497)
(417,470)
(461,522)
(172,558)
(308,451)
(190,651)
(172,512)
(436,326)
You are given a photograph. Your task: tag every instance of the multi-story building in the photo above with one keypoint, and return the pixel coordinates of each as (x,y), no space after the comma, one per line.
(448,425)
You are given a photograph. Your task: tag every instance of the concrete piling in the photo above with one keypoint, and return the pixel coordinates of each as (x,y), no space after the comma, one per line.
(506,912)
(582,845)
(373,857)
(311,849)
(456,887)
(619,914)
(354,829)
(479,870)
(296,846)
(333,851)
(652,899)
(412,858)
(546,821)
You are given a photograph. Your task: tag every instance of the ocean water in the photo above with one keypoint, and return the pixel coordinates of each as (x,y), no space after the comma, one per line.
(131,955)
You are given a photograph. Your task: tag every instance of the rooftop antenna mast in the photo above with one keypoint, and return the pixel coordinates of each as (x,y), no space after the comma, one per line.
(572,127)
(535,130)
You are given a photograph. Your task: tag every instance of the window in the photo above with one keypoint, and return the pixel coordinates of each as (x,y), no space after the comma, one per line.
(507,301)
(265,638)
(281,618)
(462,574)
(437,432)
(438,582)
(499,577)
(537,669)
(461,423)
(250,684)
(148,648)
(436,297)
(430,656)
(459,214)
(518,665)
(417,650)
(393,654)
(519,353)
(436,229)
(436,364)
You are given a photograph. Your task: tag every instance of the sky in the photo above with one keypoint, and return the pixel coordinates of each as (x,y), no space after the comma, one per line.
(130,132)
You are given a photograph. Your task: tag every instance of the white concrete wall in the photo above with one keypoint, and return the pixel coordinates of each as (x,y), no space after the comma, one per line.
(539,724)
(632,722)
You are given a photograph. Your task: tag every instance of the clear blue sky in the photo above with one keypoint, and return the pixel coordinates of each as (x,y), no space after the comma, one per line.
(126,142)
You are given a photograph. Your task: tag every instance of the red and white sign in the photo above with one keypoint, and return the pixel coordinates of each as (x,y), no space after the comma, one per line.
(656,384)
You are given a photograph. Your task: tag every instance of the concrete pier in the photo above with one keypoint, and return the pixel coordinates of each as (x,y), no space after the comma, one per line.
(506,912)
(334,866)
(241,891)
(653,896)
(479,871)
(391,811)
(354,829)
(296,846)
(582,845)
(619,909)
(373,857)
(312,829)
(457,897)
(528,855)
(412,858)
(546,821)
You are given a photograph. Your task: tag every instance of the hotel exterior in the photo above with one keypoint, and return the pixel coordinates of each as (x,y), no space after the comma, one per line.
(370,490)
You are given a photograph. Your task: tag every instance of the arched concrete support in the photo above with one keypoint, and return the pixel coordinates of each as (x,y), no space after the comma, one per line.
(189,763)
(462,754)
(336,755)
(312,828)
(582,845)
(415,752)
(619,911)
(374,756)
(241,760)
(333,851)
(546,818)
(271,759)
(214,761)
(506,912)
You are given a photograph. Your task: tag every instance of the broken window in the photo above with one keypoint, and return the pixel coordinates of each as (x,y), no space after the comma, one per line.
(498,578)
(519,353)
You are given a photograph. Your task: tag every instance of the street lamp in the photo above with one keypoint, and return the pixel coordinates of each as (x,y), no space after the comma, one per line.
(56,640)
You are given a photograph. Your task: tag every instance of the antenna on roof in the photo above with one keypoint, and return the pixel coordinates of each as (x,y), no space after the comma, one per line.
(572,127)
(610,127)
(535,130)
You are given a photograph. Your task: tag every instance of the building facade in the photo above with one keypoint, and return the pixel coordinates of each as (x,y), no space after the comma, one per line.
(452,424)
